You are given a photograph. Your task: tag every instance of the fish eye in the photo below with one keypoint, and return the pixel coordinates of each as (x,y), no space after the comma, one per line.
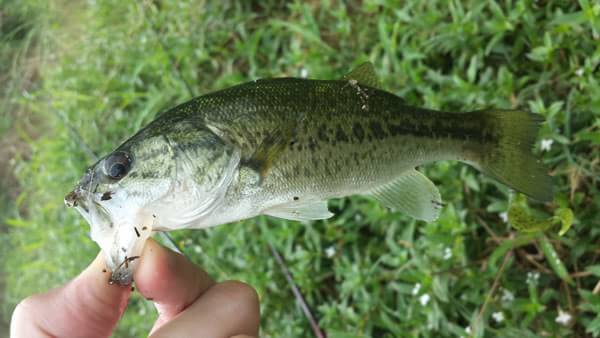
(117,165)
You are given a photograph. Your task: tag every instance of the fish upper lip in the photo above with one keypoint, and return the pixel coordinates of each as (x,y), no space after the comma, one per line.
(75,198)
(72,198)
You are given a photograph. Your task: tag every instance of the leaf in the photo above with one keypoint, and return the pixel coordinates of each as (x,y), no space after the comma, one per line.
(592,137)
(594,327)
(341,334)
(520,218)
(570,19)
(507,245)
(552,257)
(566,217)
(594,269)
(16,222)
(516,332)
(440,288)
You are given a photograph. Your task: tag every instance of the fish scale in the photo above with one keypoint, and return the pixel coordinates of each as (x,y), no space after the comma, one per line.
(330,148)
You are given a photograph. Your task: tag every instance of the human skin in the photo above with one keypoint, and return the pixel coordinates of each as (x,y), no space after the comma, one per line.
(188,301)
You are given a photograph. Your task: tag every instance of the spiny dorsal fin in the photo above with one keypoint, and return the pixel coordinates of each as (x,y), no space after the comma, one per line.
(364,74)
(301,210)
(411,193)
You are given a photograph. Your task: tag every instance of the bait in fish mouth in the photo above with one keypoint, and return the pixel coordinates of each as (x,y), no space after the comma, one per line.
(283,147)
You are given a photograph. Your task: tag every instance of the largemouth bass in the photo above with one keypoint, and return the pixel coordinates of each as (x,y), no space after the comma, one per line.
(283,147)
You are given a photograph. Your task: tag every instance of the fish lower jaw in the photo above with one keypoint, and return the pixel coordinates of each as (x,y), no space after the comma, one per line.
(122,249)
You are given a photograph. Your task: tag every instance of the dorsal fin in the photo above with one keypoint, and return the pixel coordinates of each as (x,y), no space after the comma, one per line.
(364,74)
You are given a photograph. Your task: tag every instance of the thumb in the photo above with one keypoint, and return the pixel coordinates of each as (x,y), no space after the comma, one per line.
(87,306)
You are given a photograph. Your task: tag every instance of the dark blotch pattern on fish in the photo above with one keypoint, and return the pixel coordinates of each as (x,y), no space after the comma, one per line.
(358,132)
(444,129)
(340,135)
(377,130)
(322,133)
(312,144)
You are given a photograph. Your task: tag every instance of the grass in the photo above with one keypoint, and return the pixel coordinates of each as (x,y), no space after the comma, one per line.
(106,68)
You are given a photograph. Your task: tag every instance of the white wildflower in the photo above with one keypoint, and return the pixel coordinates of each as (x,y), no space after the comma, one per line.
(447,253)
(563,317)
(303,73)
(546,144)
(507,296)
(533,277)
(330,251)
(498,316)
(424,299)
(503,216)
(468,329)
(416,289)
(579,72)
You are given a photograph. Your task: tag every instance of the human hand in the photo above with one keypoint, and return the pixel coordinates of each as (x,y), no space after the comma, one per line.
(189,302)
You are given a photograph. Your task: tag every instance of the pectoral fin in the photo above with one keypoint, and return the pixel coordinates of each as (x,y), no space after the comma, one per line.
(301,210)
(269,150)
(411,193)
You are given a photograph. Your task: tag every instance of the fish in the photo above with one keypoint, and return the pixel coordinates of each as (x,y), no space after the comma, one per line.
(283,147)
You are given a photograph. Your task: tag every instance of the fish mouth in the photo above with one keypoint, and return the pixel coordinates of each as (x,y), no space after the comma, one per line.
(83,201)
(72,198)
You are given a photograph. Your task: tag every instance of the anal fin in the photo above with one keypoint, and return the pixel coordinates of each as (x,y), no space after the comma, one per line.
(411,193)
(301,210)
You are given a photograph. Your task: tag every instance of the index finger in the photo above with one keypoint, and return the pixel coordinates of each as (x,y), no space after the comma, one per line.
(170,280)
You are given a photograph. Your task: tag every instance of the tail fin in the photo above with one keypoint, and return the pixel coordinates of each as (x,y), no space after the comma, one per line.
(510,160)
